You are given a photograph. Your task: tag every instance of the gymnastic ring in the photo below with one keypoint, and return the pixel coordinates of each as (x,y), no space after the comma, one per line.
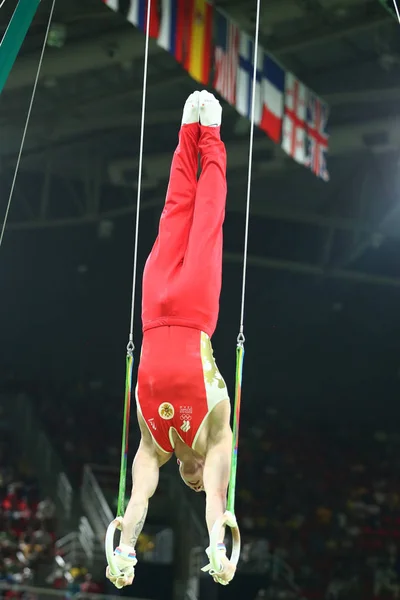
(227,519)
(109,546)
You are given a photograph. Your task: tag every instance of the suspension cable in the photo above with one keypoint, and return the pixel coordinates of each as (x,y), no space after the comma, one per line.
(28,118)
(241,338)
(131,347)
(396,8)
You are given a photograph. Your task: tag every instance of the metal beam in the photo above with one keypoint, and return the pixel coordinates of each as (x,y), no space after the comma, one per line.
(329,34)
(350,76)
(324,222)
(278,13)
(115,48)
(309,269)
(85,218)
(368,96)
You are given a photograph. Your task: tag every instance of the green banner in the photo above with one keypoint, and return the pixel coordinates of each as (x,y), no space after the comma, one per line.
(14,36)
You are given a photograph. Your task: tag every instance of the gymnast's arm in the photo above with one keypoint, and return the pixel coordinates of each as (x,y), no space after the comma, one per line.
(216,477)
(145,475)
(217,463)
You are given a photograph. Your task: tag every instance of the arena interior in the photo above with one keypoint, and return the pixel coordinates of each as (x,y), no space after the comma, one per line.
(318,485)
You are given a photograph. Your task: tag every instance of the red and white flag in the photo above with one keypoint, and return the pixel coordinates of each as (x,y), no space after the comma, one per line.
(294,119)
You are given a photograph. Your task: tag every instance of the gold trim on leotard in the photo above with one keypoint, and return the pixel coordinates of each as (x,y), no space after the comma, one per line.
(215,386)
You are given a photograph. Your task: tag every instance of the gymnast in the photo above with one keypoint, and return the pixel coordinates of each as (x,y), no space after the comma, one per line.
(182,401)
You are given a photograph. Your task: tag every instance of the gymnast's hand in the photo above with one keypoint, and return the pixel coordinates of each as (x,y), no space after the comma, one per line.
(227,573)
(226,570)
(121,580)
(125,561)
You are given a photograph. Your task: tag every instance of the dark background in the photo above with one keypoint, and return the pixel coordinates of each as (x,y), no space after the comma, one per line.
(323,281)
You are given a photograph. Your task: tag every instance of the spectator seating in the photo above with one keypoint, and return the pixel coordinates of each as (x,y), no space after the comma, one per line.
(27,521)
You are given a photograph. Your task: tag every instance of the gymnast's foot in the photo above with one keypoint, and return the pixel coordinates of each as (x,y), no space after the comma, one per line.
(191,109)
(210,110)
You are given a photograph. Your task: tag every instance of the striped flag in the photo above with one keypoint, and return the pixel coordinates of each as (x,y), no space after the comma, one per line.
(186,32)
(317,138)
(272,90)
(244,82)
(135,11)
(199,40)
(226,58)
(172,27)
(294,119)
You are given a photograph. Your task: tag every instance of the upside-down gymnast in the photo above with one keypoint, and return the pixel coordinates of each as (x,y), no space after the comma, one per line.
(182,400)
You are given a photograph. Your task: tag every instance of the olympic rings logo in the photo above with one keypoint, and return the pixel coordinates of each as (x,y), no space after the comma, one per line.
(185,417)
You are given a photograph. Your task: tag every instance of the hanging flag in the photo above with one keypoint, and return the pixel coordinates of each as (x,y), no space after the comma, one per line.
(135,11)
(186,32)
(244,82)
(172,27)
(137,15)
(272,94)
(317,138)
(226,58)
(199,40)
(294,119)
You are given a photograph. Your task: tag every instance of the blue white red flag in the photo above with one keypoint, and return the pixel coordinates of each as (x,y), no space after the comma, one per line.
(226,58)
(172,28)
(272,92)
(136,13)
(317,137)
(244,82)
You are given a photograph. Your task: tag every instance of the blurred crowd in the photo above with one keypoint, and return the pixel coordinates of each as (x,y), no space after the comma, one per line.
(28,553)
(324,500)
(27,521)
(73,578)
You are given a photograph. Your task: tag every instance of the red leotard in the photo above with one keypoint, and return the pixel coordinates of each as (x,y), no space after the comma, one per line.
(178,380)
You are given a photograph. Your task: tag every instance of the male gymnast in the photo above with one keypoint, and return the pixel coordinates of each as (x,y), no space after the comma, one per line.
(182,400)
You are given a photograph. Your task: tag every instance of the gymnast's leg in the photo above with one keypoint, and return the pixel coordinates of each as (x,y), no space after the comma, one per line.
(203,260)
(176,219)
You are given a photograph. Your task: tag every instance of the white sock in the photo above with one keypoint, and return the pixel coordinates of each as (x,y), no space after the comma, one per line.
(210,110)
(191,109)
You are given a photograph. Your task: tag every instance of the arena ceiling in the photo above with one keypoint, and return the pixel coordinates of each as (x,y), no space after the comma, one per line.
(84,129)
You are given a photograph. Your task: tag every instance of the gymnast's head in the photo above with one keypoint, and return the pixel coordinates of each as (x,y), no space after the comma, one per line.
(192,475)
